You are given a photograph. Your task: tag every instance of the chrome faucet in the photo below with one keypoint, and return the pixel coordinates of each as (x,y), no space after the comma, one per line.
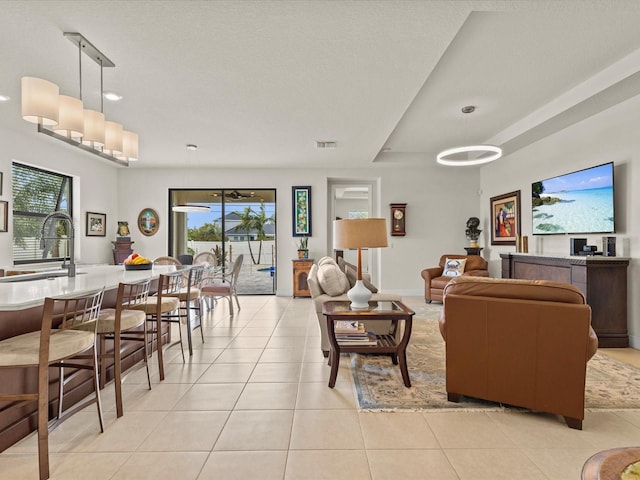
(62,216)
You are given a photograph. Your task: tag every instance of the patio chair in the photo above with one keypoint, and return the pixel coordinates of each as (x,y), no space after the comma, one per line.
(222,285)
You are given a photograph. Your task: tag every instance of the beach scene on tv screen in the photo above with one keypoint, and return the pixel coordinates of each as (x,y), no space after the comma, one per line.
(579,202)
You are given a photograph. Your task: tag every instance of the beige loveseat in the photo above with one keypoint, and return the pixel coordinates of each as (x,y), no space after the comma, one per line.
(319,297)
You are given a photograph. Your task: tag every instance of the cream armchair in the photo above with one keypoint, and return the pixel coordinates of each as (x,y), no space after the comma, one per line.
(319,297)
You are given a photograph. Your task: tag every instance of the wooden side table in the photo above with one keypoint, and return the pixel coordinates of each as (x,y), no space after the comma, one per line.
(386,343)
(301,269)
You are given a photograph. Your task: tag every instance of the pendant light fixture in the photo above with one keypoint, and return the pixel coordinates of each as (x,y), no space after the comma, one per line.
(186,207)
(470,154)
(67,118)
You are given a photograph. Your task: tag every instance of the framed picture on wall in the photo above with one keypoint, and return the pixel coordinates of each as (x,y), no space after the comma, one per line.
(1,183)
(96,224)
(148,222)
(4,216)
(301,211)
(505,218)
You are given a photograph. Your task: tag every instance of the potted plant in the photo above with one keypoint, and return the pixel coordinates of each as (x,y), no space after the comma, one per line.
(303,252)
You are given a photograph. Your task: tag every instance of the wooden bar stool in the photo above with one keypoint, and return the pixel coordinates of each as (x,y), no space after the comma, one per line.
(113,323)
(57,344)
(159,307)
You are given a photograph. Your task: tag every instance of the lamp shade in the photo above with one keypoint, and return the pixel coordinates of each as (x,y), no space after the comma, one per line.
(129,146)
(70,117)
(360,233)
(93,129)
(112,138)
(39,101)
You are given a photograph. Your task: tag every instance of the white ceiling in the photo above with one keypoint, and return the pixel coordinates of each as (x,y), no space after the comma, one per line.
(256,84)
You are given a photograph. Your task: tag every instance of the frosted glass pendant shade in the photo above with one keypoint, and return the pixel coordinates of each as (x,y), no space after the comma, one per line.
(39,101)
(129,146)
(70,117)
(112,138)
(93,129)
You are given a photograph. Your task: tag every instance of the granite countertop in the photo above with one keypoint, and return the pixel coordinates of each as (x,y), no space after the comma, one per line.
(28,292)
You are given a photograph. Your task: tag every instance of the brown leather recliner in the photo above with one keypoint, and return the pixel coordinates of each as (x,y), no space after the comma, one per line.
(520,342)
(434,282)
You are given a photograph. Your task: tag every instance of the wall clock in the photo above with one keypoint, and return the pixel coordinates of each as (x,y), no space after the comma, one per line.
(398,219)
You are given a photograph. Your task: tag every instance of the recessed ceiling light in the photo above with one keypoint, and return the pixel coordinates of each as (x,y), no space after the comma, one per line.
(112,96)
(4,98)
(191,146)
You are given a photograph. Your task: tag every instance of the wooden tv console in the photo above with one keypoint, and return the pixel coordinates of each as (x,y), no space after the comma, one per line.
(603,280)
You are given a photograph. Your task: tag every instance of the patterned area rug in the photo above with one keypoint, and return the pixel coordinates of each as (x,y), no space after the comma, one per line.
(611,384)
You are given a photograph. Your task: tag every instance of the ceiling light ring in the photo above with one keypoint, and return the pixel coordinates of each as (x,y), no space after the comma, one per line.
(496,153)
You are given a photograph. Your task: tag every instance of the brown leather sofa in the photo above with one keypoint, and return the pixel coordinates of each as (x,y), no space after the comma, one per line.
(520,342)
(434,282)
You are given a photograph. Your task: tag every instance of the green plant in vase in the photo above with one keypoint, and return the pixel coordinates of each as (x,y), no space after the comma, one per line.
(303,251)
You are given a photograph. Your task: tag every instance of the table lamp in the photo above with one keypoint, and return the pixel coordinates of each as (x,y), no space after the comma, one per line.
(359,233)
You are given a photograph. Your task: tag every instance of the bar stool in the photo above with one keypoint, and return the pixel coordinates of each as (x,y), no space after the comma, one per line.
(112,323)
(57,344)
(158,308)
(190,303)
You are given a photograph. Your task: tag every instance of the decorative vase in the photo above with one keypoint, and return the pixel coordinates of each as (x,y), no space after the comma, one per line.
(303,253)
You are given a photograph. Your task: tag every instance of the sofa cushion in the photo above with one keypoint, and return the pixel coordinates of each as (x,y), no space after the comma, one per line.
(454,267)
(332,280)
(352,276)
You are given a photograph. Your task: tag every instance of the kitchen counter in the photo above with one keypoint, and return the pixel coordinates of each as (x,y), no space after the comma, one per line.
(25,291)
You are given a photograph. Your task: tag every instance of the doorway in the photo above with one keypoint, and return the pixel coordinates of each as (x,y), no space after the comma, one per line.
(228,223)
(349,198)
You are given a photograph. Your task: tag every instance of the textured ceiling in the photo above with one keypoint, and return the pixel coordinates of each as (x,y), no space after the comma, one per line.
(256,84)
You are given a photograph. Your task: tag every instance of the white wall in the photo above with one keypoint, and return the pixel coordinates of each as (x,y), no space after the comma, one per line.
(95,188)
(439,202)
(610,136)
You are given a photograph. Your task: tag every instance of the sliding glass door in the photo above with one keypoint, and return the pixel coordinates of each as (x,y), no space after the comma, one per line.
(228,223)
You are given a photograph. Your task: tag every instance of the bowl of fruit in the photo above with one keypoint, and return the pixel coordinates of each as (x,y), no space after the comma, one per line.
(137,262)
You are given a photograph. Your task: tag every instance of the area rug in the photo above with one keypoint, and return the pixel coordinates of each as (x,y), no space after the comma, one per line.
(611,384)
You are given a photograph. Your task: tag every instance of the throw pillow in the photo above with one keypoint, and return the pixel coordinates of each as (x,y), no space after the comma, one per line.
(331,279)
(454,267)
(352,275)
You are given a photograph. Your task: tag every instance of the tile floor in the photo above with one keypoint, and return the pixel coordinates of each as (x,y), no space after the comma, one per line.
(253,403)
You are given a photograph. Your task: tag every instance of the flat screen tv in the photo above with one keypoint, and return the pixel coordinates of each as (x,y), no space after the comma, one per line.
(577,202)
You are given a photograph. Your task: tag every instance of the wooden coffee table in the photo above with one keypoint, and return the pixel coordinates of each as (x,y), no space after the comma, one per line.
(386,343)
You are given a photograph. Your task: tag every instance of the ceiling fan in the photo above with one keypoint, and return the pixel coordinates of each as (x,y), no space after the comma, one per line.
(235,195)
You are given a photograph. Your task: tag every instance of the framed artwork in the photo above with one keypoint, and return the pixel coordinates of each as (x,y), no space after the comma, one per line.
(1,183)
(148,222)
(4,216)
(96,224)
(505,218)
(123,229)
(301,211)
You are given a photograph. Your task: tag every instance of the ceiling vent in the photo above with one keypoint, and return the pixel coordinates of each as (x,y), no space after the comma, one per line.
(326,144)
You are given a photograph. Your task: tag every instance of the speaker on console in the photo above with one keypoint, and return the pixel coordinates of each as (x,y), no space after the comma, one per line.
(609,246)
(577,244)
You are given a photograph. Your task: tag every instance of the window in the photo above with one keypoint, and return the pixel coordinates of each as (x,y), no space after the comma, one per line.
(37,193)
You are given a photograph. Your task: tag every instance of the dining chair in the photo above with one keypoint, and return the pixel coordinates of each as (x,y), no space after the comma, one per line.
(223,285)
(207,258)
(160,307)
(122,323)
(167,260)
(56,344)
